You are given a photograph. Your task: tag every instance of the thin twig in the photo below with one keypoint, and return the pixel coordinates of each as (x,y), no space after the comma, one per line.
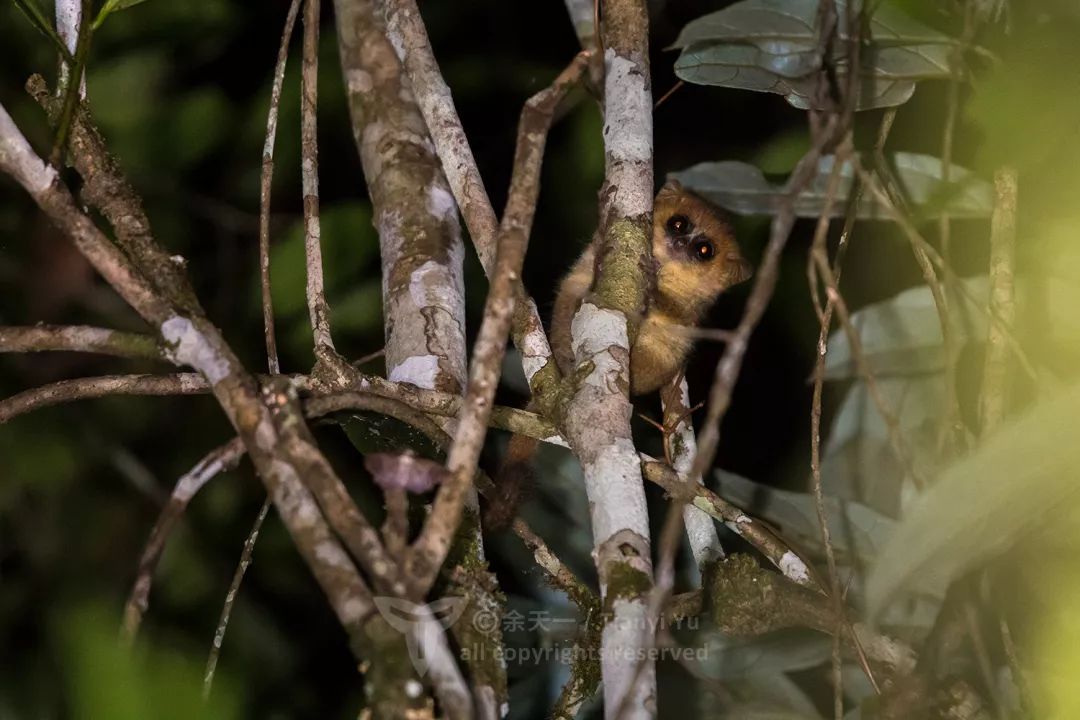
(558,574)
(680,445)
(309,151)
(818,250)
(281,452)
(79,338)
(952,107)
(230,598)
(669,93)
(266,178)
(818,255)
(727,370)
(97,387)
(217,461)
(764,540)
(875,185)
(68,21)
(583,18)
(426,555)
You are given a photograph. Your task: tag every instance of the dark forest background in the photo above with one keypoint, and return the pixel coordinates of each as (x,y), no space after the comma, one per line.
(180,90)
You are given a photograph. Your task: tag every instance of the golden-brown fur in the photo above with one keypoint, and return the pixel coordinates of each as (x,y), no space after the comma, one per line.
(686,287)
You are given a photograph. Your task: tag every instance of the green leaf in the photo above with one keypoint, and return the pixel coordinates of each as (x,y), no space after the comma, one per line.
(853,526)
(112,6)
(769,696)
(858,461)
(980,506)
(779,26)
(41,22)
(902,335)
(373,433)
(719,65)
(771,46)
(776,652)
(743,189)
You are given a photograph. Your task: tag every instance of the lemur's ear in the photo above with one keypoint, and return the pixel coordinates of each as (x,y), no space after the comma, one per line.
(671,186)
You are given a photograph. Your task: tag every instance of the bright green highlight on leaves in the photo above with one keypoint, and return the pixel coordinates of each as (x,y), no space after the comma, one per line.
(112,6)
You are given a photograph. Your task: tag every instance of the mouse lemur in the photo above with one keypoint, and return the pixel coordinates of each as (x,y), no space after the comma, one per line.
(696,258)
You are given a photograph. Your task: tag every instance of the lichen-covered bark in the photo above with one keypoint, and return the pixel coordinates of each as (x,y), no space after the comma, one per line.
(421,249)
(596,410)
(682,446)
(415,212)
(581,15)
(597,425)
(78,338)
(407,33)
(192,340)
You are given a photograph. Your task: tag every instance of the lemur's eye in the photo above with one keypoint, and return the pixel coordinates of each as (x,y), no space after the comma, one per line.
(702,250)
(678,225)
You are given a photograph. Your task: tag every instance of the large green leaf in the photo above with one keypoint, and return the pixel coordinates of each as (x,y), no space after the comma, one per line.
(858,461)
(771,46)
(775,652)
(788,25)
(902,335)
(853,526)
(769,696)
(737,66)
(979,507)
(743,189)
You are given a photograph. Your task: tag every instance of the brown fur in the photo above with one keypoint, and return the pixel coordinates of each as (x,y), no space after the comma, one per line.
(685,289)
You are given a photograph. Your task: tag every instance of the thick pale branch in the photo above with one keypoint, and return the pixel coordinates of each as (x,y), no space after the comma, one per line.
(420,242)
(584,21)
(406,30)
(106,189)
(596,414)
(429,551)
(681,445)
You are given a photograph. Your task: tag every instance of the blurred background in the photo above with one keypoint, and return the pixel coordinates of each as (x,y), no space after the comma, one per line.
(180,91)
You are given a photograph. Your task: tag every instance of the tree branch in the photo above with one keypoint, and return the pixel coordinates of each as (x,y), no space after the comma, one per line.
(596,414)
(318,310)
(428,552)
(79,338)
(266,178)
